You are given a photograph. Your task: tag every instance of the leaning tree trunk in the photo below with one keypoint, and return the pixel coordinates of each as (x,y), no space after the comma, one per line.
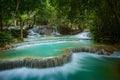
(21,21)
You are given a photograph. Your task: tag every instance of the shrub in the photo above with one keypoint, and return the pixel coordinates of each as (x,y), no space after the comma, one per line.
(16,33)
(5,38)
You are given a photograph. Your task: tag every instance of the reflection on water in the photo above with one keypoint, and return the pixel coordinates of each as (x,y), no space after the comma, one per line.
(84,66)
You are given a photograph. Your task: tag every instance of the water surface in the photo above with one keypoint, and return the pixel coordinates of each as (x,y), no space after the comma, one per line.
(84,66)
(48,49)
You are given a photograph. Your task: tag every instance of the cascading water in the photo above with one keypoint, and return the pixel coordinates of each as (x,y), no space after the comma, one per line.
(43,30)
(80,65)
(32,33)
(84,35)
(35,63)
(83,66)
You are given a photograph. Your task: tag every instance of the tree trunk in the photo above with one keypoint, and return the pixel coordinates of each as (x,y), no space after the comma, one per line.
(21,30)
(21,21)
(15,22)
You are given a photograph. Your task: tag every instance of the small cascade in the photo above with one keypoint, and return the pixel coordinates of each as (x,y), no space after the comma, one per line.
(43,30)
(89,50)
(36,62)
(48,61)
(32,33)
(55,32)
(84,35)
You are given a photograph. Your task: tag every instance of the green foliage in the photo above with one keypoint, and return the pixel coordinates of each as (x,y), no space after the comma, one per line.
(101,16)
(46,14)
(16,33)
(106,23)
(18,9)
(5,38)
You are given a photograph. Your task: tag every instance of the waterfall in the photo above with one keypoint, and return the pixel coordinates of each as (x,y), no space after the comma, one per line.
(36,62)
(84,35)
(48,61)
(90,50)
(55,32)
(43,30)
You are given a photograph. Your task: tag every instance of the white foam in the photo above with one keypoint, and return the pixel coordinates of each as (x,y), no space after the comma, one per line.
(48,73)
(83,35)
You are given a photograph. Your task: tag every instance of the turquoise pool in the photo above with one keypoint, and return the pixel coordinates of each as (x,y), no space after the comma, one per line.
(47,49)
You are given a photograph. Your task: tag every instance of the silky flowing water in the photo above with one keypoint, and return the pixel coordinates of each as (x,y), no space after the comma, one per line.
(83,66)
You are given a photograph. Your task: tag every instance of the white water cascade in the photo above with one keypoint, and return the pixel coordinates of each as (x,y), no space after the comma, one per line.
(43,30)
(84,35)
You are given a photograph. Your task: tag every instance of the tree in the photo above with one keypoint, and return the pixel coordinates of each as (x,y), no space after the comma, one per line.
(106,22)
(24,7)
(17,9)
(5,11)
(103,16)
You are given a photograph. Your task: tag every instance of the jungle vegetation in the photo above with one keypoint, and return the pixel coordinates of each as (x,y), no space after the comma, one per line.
(101,17)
